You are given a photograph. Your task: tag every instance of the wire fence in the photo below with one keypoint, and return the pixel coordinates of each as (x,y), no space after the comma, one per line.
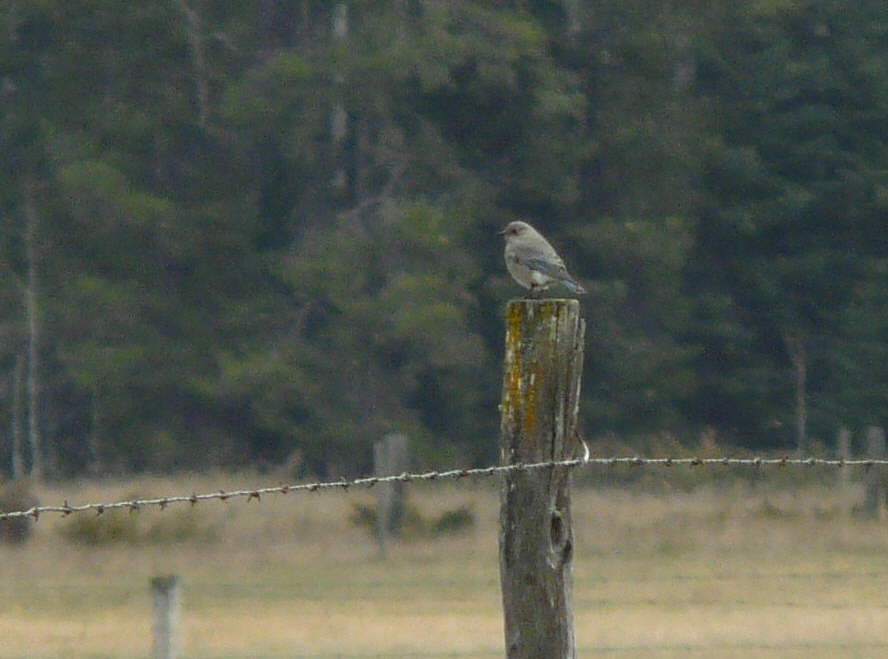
(134,505)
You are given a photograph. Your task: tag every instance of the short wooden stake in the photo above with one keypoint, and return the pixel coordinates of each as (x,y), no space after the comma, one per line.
(167,602)
(541,390)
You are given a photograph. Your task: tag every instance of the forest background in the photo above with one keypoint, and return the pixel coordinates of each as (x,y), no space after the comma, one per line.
(264,232)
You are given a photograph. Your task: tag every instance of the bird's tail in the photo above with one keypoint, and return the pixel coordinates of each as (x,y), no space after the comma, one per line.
(573,286)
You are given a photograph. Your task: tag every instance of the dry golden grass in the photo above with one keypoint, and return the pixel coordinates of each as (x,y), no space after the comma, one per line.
(732,571)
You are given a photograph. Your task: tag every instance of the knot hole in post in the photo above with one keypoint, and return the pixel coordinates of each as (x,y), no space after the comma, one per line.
(560,537)
(556,529)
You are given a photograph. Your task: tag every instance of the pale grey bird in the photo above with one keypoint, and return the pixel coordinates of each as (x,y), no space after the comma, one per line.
(533,262)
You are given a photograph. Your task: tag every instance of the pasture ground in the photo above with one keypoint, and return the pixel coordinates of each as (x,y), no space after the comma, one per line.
(770,567)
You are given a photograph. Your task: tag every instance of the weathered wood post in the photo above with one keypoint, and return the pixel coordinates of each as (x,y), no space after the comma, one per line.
(541,390)
(390,458)
(874,502)
(843,452)
(167,602)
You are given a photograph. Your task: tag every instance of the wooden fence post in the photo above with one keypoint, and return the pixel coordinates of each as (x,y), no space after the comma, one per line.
(390,458)
(541,389)
(167,601)
(874,503)
(843,452)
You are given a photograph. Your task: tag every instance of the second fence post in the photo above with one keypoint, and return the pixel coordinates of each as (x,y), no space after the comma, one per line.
(541,390)
(390,458)
(874,503)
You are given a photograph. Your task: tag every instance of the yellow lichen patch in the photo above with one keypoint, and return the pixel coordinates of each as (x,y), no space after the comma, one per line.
(525,366)
(512,379)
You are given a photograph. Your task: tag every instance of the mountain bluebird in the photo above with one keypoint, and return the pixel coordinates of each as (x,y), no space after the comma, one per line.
(533,262)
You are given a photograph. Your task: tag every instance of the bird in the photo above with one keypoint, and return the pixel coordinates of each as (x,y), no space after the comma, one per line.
(533,262)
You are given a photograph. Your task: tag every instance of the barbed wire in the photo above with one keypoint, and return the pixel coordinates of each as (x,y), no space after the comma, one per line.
(366,482)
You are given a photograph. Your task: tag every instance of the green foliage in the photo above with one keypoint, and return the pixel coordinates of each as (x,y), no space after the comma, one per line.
(793,184)
(455,521)
(223,277)
(120,527)
(113,528)
(412,525)
(451,522)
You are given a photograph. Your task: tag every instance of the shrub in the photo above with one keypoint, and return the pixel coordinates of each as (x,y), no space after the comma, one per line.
(116,526)
(16,496)
(126,527)
(454,521)
(413,524)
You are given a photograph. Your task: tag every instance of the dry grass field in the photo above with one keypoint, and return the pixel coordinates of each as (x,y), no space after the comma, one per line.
(765,569)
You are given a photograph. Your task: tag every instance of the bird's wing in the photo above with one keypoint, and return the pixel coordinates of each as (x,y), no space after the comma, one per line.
(554,269)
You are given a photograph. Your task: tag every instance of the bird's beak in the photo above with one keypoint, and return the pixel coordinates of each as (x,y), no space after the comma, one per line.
(501,233)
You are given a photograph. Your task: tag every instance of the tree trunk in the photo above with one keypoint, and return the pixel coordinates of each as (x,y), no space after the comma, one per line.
(798,357)
(339,115)
(33,322)
(94,462)
(572,18)
(201,84)
(18,415)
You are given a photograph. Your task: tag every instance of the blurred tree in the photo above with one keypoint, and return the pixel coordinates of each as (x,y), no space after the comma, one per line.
(632,217)
(258,234)
(794,180)
(858,381)
(26,238)
(399,228)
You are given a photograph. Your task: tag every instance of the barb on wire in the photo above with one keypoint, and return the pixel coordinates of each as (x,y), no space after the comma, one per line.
(369,481)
